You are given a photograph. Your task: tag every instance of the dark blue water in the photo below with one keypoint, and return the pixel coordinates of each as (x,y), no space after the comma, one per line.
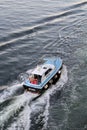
(29,31)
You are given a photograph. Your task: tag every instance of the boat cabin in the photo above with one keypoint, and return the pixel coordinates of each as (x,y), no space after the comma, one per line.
(40,73)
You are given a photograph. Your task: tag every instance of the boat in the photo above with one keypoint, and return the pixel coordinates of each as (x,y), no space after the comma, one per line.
(43,75)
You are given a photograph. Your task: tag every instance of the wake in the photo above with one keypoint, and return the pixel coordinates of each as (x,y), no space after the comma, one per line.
(19,102)
(24,107)
(8,92)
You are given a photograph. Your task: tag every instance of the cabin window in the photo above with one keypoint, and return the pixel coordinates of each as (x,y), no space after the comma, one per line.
(48,71)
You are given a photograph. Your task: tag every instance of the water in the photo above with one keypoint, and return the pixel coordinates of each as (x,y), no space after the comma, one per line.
(30,31)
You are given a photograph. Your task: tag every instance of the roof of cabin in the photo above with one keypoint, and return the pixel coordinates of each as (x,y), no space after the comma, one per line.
(40,70)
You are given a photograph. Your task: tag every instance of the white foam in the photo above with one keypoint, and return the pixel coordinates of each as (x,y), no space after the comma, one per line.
(10,110)
(3,87)
(24,118)
(9,91)
(23,121)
